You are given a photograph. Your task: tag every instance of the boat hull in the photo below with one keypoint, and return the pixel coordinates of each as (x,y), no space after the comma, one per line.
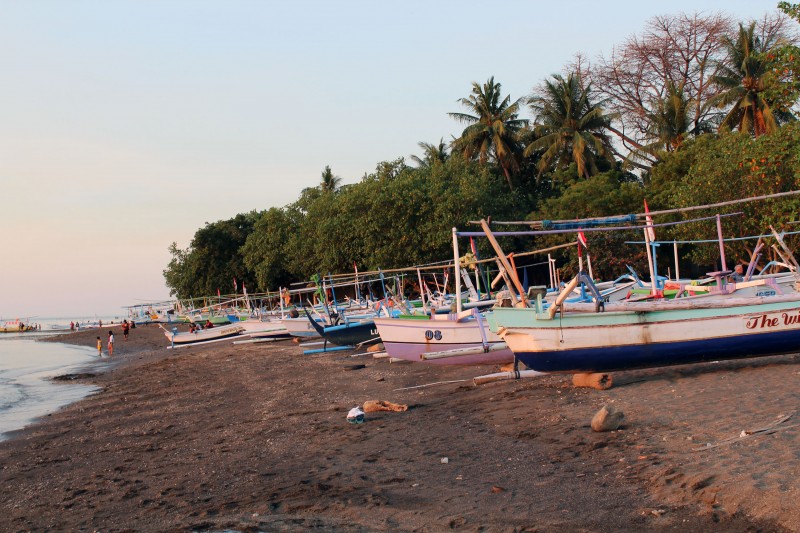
(351,334)
(204,335)
(299,327)
(409,339)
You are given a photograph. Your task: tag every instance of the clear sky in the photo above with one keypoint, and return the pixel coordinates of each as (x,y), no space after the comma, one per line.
(127,125)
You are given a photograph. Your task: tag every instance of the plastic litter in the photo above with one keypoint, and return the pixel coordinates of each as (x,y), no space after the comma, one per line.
(355,416)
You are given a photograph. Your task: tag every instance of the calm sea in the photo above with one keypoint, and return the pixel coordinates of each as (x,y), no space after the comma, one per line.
(26,369)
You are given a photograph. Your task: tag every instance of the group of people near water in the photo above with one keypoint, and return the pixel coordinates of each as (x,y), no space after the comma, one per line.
(126,328)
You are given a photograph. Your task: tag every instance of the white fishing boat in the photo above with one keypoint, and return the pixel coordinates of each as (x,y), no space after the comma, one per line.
(203,335)
(300,327)
(263,328)
(627,335)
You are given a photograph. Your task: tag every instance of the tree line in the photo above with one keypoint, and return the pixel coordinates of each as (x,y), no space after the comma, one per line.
(695,109)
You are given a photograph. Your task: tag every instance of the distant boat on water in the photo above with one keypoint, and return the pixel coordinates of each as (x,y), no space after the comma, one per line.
(17,326)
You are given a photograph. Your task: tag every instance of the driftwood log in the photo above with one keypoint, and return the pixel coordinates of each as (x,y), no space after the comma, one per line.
(596,380)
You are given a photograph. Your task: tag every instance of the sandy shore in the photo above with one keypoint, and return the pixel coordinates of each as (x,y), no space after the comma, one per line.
(254,437)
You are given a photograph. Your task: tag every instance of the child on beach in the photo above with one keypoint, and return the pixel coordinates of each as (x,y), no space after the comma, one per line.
(125,329)
(99,346)
(110,343)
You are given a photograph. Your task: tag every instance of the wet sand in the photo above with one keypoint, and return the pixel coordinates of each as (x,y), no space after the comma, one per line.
(254,437)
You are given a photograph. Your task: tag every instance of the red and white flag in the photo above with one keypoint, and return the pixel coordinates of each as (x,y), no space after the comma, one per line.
(581,243)
(651,233)
(235,286)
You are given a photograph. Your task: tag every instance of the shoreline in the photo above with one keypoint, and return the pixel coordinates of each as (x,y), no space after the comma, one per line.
(28,390)
(254,437)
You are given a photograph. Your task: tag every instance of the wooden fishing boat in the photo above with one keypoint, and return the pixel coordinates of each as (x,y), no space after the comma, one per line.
(299,327)
(348,333)
(264,328)
(443,340)
(630,335)
(601,337)
(204,335)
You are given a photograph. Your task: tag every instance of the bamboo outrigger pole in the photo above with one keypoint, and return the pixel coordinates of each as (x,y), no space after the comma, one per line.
(502,258)
(457,271)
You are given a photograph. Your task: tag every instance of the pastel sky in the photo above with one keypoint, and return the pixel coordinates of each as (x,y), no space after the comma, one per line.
(127,125)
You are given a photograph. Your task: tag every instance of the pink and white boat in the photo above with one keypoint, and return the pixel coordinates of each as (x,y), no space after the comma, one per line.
(444,340)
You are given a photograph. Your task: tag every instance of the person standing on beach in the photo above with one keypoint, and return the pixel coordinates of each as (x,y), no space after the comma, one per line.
(125,329)
(110,343)
(99,347)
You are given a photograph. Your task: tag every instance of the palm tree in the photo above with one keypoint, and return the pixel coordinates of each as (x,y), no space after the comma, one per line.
(569,127)
(493,127)
(329,182)
(432,155)
(671,122)
(742,76)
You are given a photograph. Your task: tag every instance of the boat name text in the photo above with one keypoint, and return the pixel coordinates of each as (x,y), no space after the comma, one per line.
(765,321)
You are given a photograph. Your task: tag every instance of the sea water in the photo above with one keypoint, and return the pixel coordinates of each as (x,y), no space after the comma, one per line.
(27,367)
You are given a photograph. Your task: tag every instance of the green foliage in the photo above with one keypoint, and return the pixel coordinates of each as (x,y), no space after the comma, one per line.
(329,182)
(212,260)
(569,126)
(396,217)
(432,154)
(782,81)
(264,252)
(744,76)
(493,129)
(399,216)
(732,166)
(792,10)
(606,194)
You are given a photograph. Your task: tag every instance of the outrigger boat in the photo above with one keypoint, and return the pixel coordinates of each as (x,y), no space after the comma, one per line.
(443,340)
(355,332)
(629,335)
(600,336)
(203,335)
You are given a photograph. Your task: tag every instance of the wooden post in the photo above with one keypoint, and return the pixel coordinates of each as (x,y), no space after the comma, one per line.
(653,288)
(677,272)
(504,261)
(721,244)
(457,271)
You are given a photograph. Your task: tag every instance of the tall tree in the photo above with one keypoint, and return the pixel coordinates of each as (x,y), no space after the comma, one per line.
(673,51)
(569,126)
(212,260)
(742,77)
(431,154)
(493,127)
(671,122)
(329,182)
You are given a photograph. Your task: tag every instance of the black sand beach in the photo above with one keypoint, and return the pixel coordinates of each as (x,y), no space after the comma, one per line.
(254,438)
